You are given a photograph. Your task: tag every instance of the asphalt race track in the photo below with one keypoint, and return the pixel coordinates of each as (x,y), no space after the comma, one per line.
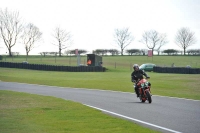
(165,114)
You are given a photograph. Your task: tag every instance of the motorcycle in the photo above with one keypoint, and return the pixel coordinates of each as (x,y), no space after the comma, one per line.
(144,90)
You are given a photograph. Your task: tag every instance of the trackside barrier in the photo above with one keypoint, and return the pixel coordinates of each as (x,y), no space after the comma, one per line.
(179,70)
(53,67)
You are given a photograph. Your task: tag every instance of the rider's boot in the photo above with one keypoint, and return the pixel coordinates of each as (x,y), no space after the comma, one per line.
(137,92)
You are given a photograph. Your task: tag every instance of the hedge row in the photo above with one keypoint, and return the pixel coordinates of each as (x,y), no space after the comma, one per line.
(53,67)
(180,70)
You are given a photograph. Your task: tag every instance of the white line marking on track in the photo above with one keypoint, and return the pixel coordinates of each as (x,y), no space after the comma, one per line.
(126,117)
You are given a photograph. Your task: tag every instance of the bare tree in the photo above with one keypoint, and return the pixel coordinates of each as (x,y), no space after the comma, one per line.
(171,51)
(193,52)
(100,52)
(113,52)
(144,51)
(63,39)
(123,38)
(10,28)
(152,39)
(80,51)
(43,53)
(30,35)
(133,51)
(185,38)
(162,42)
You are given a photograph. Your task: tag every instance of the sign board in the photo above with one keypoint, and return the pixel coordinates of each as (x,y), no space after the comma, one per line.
(150,53)
(76,51)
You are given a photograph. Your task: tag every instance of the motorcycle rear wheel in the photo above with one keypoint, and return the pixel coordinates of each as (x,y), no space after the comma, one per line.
(149,96)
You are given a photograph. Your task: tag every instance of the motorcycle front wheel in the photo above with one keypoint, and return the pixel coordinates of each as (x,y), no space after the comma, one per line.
(148,96)
(142,99)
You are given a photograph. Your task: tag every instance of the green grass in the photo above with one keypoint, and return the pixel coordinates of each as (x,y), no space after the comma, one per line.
(175,85)
(113,63)
(28,113)
(51,114)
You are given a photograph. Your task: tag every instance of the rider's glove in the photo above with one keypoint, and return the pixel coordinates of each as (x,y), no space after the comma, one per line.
(133,81)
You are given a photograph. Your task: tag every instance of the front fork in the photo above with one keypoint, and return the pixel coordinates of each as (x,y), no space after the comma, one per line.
(143,91)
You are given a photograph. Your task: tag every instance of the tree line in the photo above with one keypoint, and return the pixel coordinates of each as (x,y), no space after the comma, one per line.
(12,30)
(113,52)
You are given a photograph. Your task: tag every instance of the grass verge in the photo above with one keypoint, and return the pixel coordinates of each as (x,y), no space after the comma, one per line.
(174,85)
(22,113)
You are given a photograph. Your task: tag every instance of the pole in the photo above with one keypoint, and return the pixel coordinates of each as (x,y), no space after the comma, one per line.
(70,60)
(55,58)
(77,59)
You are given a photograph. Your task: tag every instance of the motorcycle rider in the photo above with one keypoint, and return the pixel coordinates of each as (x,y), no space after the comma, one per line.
(137,75)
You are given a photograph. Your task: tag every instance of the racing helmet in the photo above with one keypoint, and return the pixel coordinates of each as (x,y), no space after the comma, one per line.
(136,66)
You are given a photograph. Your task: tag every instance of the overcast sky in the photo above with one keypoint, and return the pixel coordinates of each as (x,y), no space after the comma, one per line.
(92,22)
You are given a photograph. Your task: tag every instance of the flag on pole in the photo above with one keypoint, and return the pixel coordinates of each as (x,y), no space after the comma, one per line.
(76,51)
(150,53)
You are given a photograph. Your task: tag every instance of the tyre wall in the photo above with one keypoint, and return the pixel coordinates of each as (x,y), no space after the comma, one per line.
(53,67)
(180,70)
